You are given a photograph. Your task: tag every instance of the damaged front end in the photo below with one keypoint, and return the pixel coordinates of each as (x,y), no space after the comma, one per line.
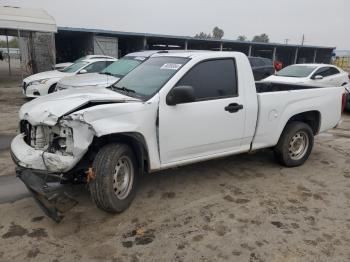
(47,189)
(49,159)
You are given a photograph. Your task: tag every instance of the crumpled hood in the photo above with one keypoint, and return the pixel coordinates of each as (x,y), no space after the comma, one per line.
(92,79)
(284,79)
(47,74)
(48,109)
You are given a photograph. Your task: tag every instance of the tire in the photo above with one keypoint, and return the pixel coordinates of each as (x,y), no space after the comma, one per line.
(108,167)
(52,89)
(295,144)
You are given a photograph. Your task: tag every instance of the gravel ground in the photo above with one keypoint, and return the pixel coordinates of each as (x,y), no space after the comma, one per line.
(240,208)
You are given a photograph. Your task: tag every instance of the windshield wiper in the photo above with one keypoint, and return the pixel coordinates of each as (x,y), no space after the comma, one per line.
(124,89)
(106,73)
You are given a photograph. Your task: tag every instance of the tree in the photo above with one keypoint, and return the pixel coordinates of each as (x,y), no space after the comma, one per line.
(203,35)
(264,38)
(242,38)
(13,43)
(218,33)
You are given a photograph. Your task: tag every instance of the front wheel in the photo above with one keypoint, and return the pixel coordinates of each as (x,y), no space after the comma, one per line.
(295,144)
(116,173)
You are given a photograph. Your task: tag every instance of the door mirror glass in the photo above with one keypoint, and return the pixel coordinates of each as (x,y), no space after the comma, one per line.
(318,77)
(180,95)
(82,71)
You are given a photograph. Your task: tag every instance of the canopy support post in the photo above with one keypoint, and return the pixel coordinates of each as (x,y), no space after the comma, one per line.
(20,53)
(8,53)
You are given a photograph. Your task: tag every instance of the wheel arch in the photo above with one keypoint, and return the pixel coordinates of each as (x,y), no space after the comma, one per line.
(52,88)
(135,140)
(311,118)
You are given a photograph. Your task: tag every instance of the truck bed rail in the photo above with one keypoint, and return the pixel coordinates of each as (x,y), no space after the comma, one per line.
(263,87)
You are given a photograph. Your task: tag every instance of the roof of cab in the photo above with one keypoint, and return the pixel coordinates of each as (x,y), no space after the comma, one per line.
(197,53)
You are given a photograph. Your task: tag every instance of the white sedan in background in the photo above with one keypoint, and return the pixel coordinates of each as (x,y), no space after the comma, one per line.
(45,83)
(62,66)
(311,74)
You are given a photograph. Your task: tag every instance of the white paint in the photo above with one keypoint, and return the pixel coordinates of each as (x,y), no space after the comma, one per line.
(50,78)
(333,80)
(97,80)
(26,19)
(187,132)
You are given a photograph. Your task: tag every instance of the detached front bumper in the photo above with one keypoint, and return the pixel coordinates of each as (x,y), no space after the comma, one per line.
(51,196)
(43,174)
(29,157)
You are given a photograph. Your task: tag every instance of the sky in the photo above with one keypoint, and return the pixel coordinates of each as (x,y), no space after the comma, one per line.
(323,22)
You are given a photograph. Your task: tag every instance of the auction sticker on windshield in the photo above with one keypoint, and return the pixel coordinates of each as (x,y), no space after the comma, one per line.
(171,66)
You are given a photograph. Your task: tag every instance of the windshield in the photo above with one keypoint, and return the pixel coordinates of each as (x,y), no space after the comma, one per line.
(149,77)
(122,67)
(80,59)
(75,67)
(296,71)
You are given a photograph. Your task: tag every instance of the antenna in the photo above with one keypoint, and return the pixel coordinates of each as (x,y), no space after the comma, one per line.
(303,39)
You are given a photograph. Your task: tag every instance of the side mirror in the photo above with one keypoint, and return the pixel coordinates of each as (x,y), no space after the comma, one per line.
(180,95)
(82,71)
(317,77)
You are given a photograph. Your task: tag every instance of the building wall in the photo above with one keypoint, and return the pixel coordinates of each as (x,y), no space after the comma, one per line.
(106,46)
(37,52)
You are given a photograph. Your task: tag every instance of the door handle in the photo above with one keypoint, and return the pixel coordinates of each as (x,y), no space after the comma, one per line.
(233,108)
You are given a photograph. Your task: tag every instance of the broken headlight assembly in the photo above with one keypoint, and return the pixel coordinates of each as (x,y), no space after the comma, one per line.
(54,139)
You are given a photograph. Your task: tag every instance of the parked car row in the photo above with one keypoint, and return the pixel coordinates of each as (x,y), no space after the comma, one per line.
(108,75)
(45,83)
(167,109)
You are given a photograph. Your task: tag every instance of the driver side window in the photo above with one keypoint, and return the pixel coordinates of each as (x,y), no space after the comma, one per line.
(212,79)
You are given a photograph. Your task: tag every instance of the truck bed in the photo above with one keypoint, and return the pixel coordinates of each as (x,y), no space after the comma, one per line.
(263,87)
(278,102)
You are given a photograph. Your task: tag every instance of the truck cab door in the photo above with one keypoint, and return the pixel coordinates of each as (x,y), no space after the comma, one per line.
(212,124)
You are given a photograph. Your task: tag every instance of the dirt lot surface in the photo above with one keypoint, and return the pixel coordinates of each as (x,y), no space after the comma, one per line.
(240,208)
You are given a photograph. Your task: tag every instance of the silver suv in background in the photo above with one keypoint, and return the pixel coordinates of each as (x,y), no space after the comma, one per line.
(109,75)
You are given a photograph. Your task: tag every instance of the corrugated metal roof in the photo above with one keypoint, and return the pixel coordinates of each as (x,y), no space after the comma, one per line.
(189,38)
(25,19)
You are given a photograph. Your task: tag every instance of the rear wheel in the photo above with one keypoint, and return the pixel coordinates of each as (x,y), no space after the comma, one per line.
(116,172)
(295,144)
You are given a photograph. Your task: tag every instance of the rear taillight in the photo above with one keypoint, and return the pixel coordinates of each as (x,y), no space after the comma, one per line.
(343,102)
(349,76)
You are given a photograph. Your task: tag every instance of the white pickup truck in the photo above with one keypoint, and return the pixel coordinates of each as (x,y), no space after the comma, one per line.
(173,109)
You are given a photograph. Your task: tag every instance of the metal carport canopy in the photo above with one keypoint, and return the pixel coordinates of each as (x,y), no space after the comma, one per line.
(13,19)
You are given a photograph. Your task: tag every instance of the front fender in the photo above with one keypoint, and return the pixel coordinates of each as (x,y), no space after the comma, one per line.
(125,118)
